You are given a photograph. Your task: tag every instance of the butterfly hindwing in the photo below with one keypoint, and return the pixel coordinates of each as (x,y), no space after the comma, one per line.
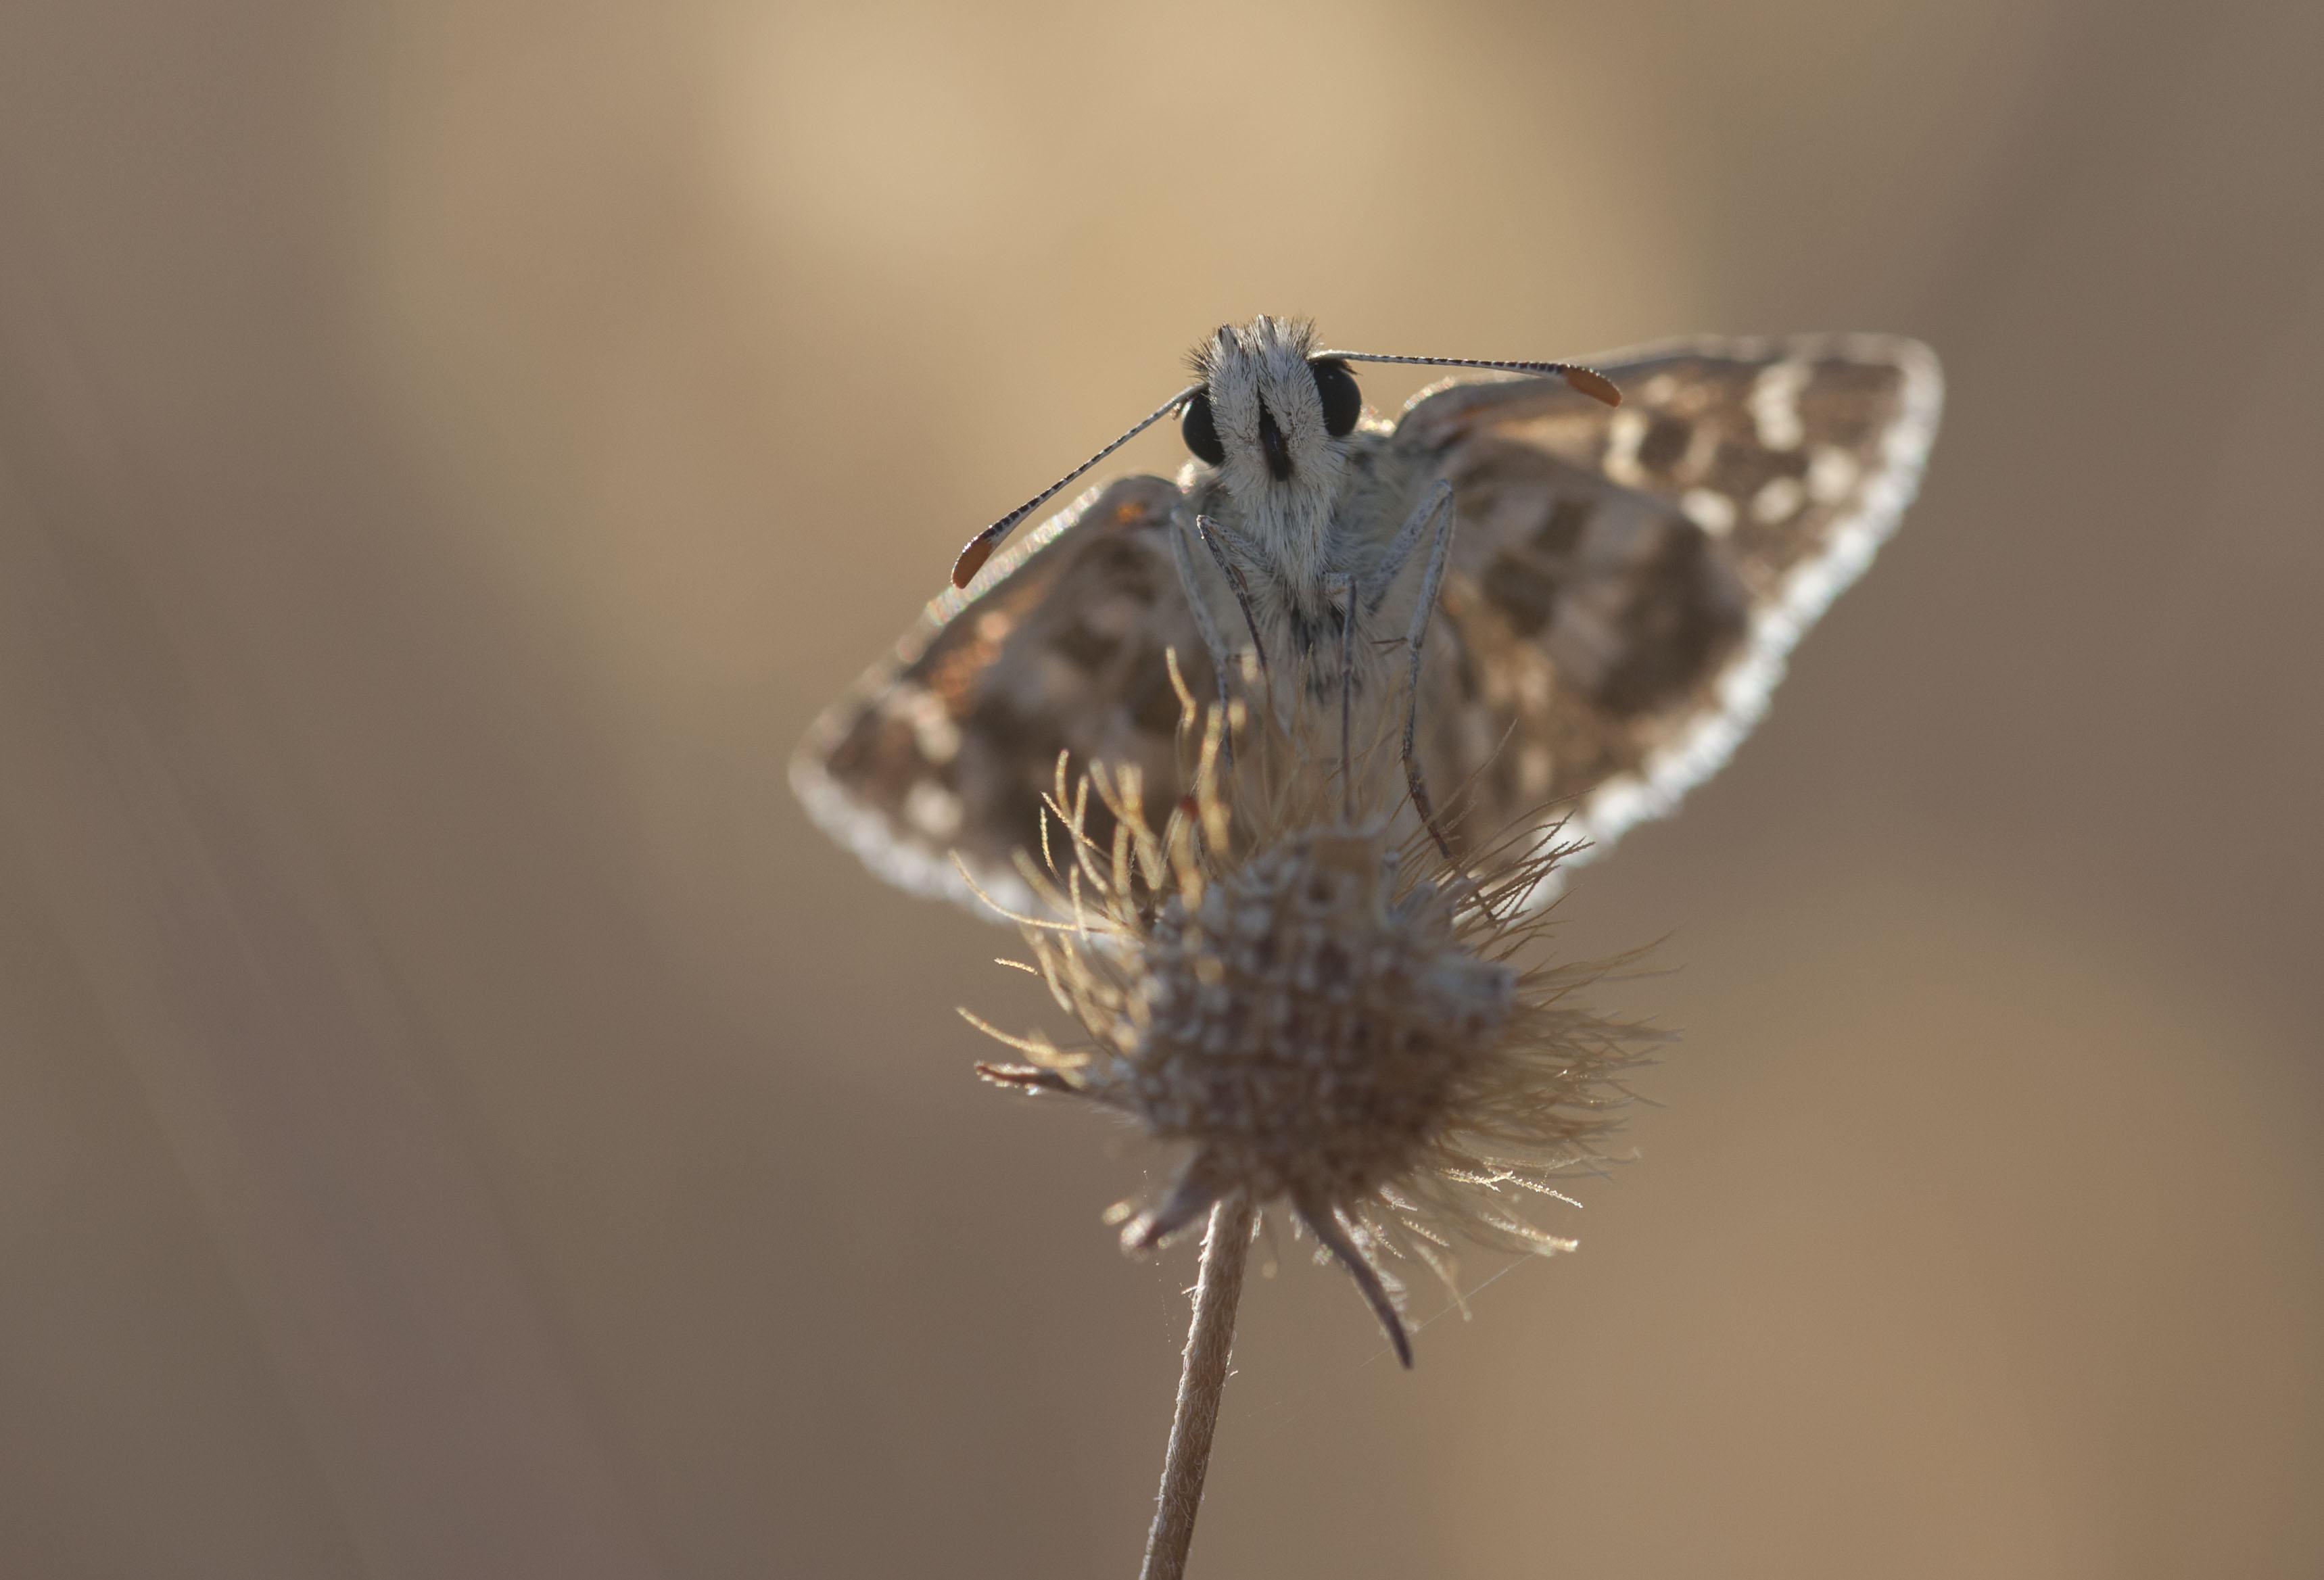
(1059,644)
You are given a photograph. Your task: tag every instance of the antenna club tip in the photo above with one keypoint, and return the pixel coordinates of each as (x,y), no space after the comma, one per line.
(971,560)
(1596,385)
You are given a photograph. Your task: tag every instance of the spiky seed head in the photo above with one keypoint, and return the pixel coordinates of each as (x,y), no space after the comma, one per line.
(1325,1014)
(1304,1026)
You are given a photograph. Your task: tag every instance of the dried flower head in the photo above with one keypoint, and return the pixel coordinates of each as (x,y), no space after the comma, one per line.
(1327,1015)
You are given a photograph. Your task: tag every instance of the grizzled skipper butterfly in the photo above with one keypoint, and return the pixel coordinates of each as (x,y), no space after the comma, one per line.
(1579,599)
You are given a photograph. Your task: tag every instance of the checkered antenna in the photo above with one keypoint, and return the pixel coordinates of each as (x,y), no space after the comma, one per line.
(1589,381)
(980,547)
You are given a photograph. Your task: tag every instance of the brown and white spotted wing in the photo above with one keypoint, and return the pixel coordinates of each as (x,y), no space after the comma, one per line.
(1059,644)
(1627,583)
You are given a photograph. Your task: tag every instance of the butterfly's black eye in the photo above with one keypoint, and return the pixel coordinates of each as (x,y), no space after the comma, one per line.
(1202,435)
(1342,401)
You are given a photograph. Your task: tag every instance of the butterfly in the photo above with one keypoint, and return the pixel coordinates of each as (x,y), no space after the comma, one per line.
(1586,581)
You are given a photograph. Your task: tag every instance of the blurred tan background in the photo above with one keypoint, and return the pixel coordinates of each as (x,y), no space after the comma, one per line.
(458,1118)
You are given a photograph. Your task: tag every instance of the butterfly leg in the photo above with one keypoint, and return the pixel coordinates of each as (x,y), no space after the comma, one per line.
(1400,547)
(1213,539)
(1348,704)
(1436,509)
(1221,660)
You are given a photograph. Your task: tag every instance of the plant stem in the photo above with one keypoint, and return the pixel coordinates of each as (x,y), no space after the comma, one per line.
(1226,1248)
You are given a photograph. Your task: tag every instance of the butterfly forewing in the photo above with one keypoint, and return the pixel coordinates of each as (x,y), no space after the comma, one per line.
(1627,582)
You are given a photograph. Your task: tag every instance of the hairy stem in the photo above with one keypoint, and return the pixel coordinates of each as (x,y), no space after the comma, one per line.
(1226,1247)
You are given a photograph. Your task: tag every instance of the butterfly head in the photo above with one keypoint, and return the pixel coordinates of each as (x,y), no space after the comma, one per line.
(1268,413)
(1272,415)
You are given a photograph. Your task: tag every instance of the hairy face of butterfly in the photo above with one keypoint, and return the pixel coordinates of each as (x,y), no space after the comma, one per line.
(1267,413)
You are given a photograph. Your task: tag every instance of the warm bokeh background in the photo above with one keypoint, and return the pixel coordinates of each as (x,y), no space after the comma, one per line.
(458,1118)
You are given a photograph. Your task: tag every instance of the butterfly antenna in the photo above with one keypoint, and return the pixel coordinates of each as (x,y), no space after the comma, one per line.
(1589,381)
(980,547)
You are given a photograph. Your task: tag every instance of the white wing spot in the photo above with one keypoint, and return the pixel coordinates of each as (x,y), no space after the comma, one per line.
(1713,512)
(1830,476)
(1775,404)
(1624,431)
(933,810)
(935,733)
(1777,501)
